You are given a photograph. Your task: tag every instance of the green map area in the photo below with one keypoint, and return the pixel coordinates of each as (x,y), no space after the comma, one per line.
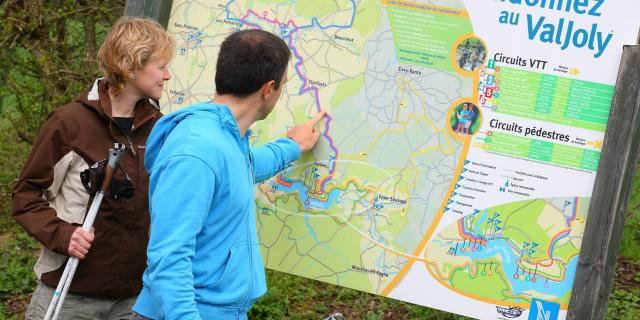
(513,252)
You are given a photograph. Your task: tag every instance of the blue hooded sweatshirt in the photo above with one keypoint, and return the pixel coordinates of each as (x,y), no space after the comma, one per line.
(203,258)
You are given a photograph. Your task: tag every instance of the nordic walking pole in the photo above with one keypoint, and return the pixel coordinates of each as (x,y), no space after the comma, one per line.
(72,263)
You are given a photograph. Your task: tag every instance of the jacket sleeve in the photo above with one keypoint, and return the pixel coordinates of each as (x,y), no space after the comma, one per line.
(271,158)
(181,193)
(29,206)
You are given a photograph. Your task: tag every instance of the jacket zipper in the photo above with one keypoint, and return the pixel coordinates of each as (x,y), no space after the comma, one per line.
(131,146)
(247,153)
(253,177)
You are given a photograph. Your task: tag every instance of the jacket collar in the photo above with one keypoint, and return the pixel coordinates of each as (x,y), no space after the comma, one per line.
(97,98)
(228,120)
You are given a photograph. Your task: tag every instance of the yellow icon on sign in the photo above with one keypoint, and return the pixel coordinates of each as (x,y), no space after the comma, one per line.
(597,144)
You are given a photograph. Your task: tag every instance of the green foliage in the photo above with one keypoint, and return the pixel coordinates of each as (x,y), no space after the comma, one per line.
(624,305)
(630,243)
(48,56)
(17,255)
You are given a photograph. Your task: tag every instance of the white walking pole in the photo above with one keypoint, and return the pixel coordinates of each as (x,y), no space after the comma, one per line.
(72,263)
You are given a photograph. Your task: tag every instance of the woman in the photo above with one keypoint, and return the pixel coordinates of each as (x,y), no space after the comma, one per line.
(462,119)
(470,118)
(50,201)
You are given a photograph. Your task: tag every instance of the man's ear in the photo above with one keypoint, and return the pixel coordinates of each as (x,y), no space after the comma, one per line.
(268,88)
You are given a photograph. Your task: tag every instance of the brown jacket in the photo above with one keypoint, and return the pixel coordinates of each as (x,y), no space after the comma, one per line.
(49,201)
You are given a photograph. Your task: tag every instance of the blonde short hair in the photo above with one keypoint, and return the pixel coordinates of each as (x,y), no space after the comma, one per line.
(129,46)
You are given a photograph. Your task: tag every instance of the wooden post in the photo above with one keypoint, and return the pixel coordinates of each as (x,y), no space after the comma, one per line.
(596,267)
(158,10)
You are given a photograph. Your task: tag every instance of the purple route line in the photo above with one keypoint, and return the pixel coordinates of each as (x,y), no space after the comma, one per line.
(305,87)
(564,233)
(469,234)
(574,213)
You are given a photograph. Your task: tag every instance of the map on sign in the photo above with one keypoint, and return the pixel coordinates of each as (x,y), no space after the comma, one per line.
(525,248)
(457,159)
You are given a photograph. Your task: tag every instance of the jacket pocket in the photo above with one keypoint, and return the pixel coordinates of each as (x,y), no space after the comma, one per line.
(234,285)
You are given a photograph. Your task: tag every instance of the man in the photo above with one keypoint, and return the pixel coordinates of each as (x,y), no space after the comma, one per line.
(204,257)
(463,58)
(50,202)
(475,61)
(462,119)
(470,118)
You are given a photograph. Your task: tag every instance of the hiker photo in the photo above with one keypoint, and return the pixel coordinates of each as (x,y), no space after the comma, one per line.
(465,119)
(470,54)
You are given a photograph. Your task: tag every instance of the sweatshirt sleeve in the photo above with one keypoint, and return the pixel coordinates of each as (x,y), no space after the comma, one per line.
(271,158)
(30,209)
(181,193)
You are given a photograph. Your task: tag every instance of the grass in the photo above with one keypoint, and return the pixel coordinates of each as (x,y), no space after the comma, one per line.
(18,254)
(624,304)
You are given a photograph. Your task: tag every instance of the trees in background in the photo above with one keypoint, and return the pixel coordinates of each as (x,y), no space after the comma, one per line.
(47,57)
